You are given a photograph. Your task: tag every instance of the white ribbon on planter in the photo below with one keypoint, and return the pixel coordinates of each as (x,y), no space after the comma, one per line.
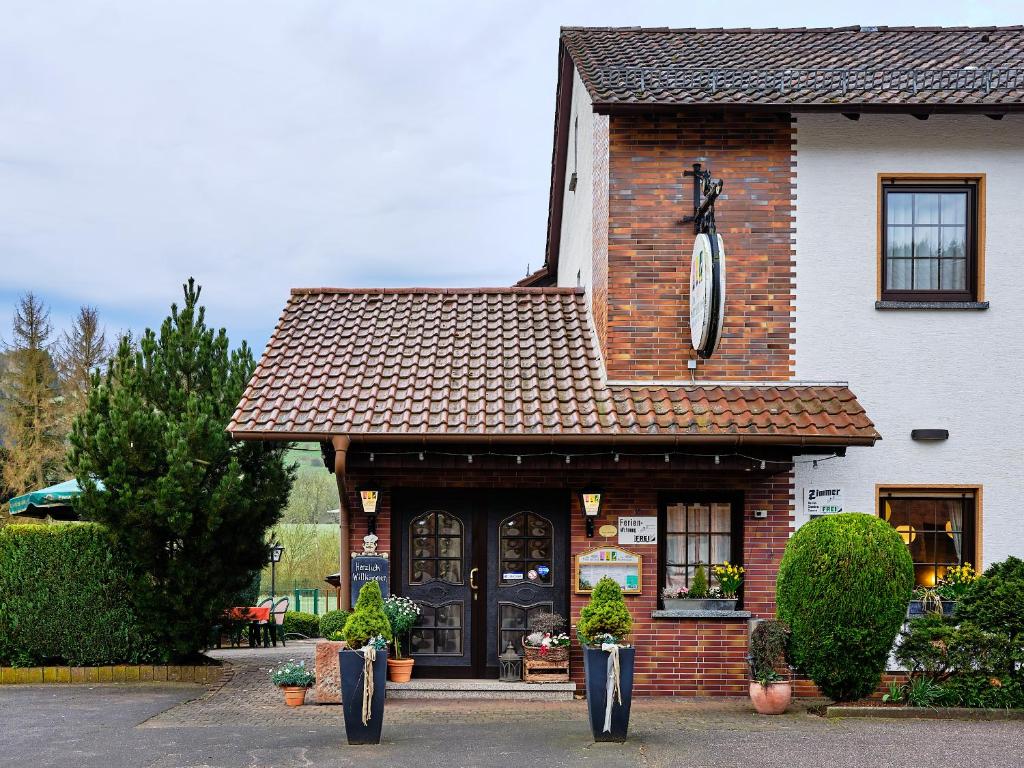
(613,689)
(369,656)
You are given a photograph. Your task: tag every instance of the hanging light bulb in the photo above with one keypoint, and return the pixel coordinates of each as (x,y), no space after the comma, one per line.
(371,457)
(616,458)
(421,455)
(567,459)
(718,459)
(762,464)
(666,458)
(815,465)
(470,457)
(519,459)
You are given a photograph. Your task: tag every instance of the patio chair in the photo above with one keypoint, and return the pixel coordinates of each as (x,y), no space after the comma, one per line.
(264,626)
(280,607)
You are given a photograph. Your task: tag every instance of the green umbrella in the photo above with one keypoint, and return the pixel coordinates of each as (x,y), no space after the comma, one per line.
(47,500)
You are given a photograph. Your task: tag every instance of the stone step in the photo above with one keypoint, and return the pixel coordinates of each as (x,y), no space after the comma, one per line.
(480,689)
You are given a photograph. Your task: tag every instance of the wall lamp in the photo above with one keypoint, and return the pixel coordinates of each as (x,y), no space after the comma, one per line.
(368,499)
(929,434)
(590,501)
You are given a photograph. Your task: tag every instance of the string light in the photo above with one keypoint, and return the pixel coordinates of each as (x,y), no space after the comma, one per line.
(616,458)
(762,464)
(718,459)
(421,455)
(519,459)
(666,458)
(470,457)
(371,457)
(567,459)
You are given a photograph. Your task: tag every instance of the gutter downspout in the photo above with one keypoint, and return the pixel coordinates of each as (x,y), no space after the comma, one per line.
(341,444)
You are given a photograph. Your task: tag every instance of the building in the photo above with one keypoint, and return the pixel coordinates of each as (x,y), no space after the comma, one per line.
(867,226)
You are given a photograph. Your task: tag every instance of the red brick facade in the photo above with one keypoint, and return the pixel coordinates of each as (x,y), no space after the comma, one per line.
(679,657)
(646,331)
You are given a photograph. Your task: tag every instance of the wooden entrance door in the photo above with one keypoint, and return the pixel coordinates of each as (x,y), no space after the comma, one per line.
(480,564)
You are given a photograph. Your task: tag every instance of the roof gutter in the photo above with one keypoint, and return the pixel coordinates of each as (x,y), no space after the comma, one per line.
(797,441)
(635,108)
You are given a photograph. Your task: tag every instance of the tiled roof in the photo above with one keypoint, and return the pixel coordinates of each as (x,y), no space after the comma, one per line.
(824,67)
(489,363)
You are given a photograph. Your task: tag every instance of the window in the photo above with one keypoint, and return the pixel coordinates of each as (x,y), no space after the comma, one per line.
(938,526)
(438,632)
(705,531)
(930,245)
(436,548)
(526,544)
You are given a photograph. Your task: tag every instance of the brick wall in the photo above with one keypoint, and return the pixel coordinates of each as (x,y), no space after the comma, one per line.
(646,333)
(674,657)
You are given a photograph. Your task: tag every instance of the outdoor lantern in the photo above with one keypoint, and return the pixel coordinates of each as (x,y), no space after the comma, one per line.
(511,669)
(368,499)
(590,501)
(276,550)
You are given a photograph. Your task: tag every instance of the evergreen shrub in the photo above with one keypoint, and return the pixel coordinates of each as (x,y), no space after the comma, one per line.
(301,623)
(368,618)
(332,622)
(605,614)
(843,588)
(65,599)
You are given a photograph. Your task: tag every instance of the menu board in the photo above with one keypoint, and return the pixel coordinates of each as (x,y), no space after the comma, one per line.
(367,568)
(618,564)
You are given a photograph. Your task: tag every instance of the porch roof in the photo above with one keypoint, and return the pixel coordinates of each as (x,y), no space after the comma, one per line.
(499,363)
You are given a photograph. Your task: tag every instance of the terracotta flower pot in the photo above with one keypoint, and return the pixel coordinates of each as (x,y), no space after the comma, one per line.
(772,699)
(294,696)
(400,670)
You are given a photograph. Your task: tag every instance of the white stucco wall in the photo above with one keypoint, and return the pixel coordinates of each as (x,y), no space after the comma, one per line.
(961,371)
(576,239)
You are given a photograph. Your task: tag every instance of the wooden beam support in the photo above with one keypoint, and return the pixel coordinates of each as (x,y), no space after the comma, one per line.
(921,115)
(996,116)
(851,115)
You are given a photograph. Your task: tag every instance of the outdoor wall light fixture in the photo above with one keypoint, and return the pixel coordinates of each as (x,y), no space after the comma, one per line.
(591,500)
(929,434)
(368,499)
(276,550)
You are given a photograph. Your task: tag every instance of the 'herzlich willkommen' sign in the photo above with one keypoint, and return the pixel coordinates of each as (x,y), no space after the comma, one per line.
(367,568)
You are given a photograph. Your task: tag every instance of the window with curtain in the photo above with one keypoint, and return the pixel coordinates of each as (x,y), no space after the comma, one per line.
(698,532)
(938,528)
(929,242)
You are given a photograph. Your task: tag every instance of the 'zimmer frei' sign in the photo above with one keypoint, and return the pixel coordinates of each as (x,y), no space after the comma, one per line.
(823,501)
(638,530)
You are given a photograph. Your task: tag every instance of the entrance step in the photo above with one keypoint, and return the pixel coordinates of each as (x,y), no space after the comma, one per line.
(480,689)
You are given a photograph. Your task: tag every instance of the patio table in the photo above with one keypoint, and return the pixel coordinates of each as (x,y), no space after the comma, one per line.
(254,615)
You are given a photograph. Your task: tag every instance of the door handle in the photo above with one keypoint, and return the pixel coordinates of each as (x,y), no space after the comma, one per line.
(472,580)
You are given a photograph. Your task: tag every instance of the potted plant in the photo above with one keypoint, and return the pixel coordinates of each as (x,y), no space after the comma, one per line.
(294,679)
(402,614)
(770,686)
(700,596)
(364,666)
(604,628)
(546,641)
(943,597)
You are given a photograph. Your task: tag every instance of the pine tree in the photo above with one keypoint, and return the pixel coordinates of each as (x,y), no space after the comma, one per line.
(30,402)
(80,352)
(189,506)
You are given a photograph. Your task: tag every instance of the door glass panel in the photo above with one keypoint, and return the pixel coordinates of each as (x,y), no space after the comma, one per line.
(439,630)
(514,622)
(526,544)
(435,548)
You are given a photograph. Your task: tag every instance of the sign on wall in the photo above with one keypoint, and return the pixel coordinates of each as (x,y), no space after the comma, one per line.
(638,530)
(823,501)
(367,568)
(623,567)
(707,293)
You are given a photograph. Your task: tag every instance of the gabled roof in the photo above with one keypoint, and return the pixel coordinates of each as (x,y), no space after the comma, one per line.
(832,68)
(497,364)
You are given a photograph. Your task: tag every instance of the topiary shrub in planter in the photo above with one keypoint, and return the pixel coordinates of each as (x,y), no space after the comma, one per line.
(843,588)
(604,628)
(364,666)
(301,623)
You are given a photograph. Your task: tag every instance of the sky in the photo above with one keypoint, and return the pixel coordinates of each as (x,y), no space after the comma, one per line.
(259,146)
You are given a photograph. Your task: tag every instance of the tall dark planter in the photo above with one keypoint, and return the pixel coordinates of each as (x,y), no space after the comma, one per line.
(351,663)
(595,672)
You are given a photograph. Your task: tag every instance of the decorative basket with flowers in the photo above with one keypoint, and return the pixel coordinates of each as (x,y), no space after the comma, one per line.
(545,640)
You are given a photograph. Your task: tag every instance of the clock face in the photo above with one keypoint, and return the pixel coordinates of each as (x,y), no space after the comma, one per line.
(707,293)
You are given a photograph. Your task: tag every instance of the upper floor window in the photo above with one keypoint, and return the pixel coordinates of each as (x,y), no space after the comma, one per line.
(929,241)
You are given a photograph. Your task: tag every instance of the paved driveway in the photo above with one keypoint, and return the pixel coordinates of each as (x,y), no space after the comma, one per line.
(244,724)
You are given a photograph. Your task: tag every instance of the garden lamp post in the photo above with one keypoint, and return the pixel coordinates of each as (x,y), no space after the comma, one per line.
(276,550)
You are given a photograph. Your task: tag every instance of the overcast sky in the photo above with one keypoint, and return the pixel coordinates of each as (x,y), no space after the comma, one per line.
(264,145)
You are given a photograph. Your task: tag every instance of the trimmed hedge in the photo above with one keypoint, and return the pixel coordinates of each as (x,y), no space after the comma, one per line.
(331,622)
(843,587)
(64,598)
(301,623)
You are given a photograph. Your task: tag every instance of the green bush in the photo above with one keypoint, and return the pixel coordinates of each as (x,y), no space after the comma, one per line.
(843,588)
(64,598)
(368,618)
(605,614)
(699,583)
(301,623)
(995,602)
(331,622)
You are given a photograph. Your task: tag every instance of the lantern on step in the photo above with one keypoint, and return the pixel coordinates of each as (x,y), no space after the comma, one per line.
(510,665)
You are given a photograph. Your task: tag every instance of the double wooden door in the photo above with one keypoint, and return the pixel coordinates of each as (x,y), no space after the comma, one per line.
(480,565)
